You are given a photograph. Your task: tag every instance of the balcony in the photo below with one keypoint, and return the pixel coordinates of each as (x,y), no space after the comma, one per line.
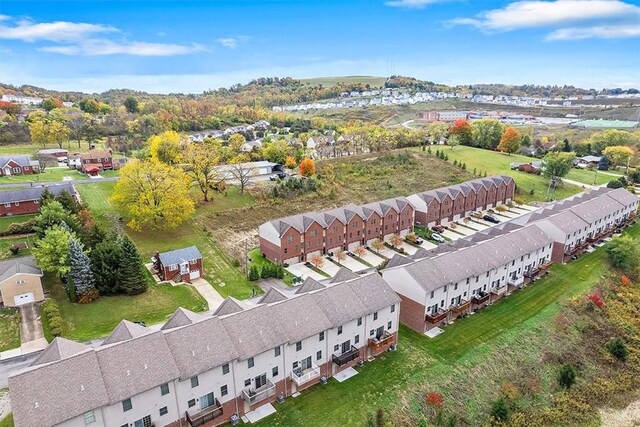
(345,357)
(205,415)
(460,308)
(252,396)
(377,344)
(518,281)
(480,298)
(300,376)
(439,316)
(499,291)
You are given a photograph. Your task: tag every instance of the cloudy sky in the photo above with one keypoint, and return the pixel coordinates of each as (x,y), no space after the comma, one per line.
(194,45)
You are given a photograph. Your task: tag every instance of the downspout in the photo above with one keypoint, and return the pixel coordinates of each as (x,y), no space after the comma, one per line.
(235,393)
(175,392)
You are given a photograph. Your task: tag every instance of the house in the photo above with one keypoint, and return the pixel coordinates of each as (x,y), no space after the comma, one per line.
(20,282)
(181,265)
(93,160)
(59,154)
(452,282)
(298,238)
(27,200)
(249,146)
(209,369)
(25,100)
(587,162)
(18,165)
(531,167)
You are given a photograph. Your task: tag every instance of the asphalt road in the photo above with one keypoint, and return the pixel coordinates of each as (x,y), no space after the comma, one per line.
(52,183)
(14,364)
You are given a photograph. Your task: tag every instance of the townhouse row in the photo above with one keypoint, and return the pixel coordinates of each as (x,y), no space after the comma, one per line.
(209,369)
(454,279)
(300,237)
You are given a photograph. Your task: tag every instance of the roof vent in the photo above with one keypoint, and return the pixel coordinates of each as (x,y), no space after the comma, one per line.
(208,349)
(145,366)
(193,353)
(128,372)
(36,405)
(81,387)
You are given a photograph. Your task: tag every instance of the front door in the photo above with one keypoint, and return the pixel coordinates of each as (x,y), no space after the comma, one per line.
(346,346)
(7,171)
(261,380)
(184,268)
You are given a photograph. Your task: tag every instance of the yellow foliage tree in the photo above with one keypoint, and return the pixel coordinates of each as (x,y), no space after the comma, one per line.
(200,164)
(290,162)
(48,127)
(166,147)
(153,195)
(618,154)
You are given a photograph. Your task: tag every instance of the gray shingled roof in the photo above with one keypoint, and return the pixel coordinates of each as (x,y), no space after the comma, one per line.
(182,317)
(124,331)
(180,255)
(21,159)
(340,305)
(228,306)
(30,194)
(300,317)
(342,275)
(272,295)
(58,349)
(11,267)
(309,285)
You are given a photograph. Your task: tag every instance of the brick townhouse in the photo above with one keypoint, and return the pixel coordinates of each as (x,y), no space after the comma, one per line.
(205,369)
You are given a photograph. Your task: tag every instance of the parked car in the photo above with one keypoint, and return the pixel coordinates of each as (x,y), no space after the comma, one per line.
(438,228)
(438,238)
(491,218)
(277,176)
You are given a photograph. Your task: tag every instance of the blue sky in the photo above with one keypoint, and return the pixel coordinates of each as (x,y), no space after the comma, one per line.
(194,45)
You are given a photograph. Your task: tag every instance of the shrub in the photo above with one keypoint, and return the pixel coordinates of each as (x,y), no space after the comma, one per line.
(567,376)
(236,263)
(434,399)
(19,228)
(595,297)
(618,349)
(500,410)
(254,273)
(625,281)
(14,249)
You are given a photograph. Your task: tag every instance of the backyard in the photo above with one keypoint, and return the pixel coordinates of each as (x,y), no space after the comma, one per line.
(49,174)
(466,364)
(9,329)
(83,322)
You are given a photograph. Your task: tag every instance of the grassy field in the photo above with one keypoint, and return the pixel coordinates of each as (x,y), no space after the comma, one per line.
(220,269)
(7,421)
(9,329)
(7,242)
(495,163)
(332,81)
(49,174)
(89,321)
(467,363)
(590,177)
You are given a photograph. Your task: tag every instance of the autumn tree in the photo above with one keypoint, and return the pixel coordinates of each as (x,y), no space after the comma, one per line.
(241,172)
(510,141)
(618,154)
(201,161)
(437,130)
(153,195)
(52,103)
(48,127)
(277,151)
(557,165)
(307,167)
(612,137)
(236,141)
(461,129)
(317,261)
(10,108)
(378,245)
(486,133)
(340,255)
(131,104)
(396,240)
(166,147)
(290,162)
(360,251)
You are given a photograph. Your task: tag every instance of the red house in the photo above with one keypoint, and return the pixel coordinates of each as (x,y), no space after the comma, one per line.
(181,265)
(96,159)
(27,201)
(18,165)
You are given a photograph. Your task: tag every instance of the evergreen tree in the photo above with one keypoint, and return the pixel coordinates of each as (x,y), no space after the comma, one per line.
(566,147)
(46,197)
(132,277)
(603,164)
(69,202)
(80,272)
(106,260)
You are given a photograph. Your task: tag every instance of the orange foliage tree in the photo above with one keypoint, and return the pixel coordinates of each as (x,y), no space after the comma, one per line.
(510,141)
(461,129)
(307,167)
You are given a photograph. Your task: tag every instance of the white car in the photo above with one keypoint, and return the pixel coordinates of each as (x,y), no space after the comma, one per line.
(438,238)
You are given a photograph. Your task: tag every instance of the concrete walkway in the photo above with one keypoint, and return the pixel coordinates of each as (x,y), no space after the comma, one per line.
(214,299)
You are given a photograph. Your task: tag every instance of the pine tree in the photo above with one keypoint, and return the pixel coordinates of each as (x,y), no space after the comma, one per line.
(80,273)
(133,279)
(46,196)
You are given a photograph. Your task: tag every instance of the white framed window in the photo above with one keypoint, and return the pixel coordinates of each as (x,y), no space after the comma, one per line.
(7,205)
(173,267)
(20,282)
(16,170)
(193,261)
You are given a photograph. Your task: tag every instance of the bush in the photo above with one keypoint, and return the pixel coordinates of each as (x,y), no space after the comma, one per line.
(254,273)
(567,376)
(293,187)
(19,228)
(14,249)
(500,410)
(618,349)
(54,319)
(616,183)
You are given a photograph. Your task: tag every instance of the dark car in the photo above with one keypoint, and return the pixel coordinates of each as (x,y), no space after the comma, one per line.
(438,228)
(491,218)
(278,175)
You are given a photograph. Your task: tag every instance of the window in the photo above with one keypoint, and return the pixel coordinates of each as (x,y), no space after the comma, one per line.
(336,347)
(194,382)
(375,316)
(314,233)
(191,403)
(321,336)
(7,205)
(274,371)
(20,282)
(224,390)
(359,321)
(445,288)
(371,332)
(389,325)
(432,293)
(276,351)
(247,382)
(250,362)
(163,411)
(225,369)
(290,239)
(164,389)
(173,267)
(126,405)
(339,329)
(89,417)
(356,339)
(193,261)
(17,203)
(299,346)
(319,355)
(393,308)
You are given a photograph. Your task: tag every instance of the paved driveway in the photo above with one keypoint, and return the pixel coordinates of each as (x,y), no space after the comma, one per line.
(428,245)
(329,267)
(353,264)
(214,299)
(451,235)
(372,258)
(464,230)
(30,326)
(301,270)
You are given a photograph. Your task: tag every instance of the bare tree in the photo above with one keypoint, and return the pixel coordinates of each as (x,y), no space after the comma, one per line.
(242,174)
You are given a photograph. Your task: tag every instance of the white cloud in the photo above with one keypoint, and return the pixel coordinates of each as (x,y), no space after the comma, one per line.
(531,14)
(101,47)
(58,31)
(412,4)
(229,42)
(600,32)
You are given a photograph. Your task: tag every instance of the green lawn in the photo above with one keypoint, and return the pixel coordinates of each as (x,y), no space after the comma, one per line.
(259,261)
(6,221)
(495,163)
(84,322)
(9,329)
(220,271)
(588,176)
(467,363)
(7,242)
(7,421)
(49,174)
(18,149)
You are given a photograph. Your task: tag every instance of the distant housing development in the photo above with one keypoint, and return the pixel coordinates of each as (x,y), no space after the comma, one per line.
(211,369)
(300,237)
(440,285)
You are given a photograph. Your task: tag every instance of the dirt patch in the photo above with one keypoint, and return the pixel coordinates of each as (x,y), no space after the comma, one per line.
(627,417)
